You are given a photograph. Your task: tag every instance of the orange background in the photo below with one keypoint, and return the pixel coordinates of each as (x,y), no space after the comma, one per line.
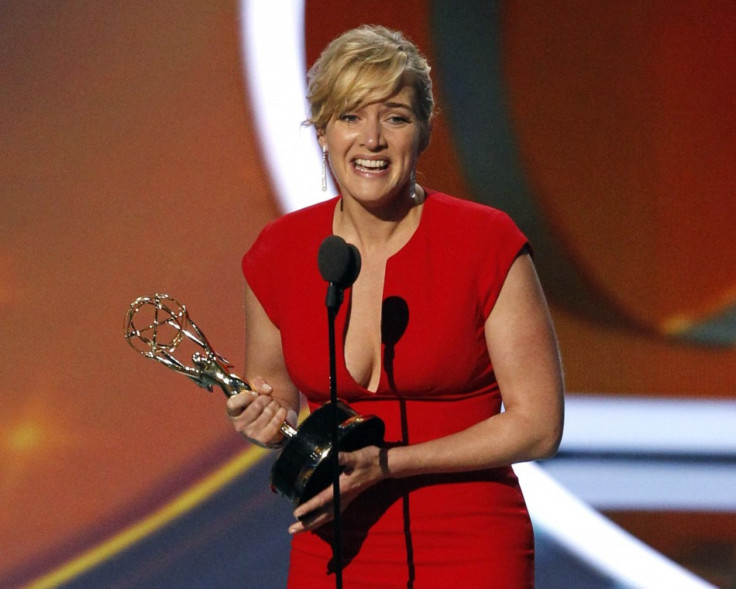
(130,165)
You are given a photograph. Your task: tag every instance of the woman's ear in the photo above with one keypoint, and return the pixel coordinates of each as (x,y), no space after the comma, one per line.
(321,137)
(424,139)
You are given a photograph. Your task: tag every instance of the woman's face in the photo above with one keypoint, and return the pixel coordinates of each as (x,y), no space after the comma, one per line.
(374,148)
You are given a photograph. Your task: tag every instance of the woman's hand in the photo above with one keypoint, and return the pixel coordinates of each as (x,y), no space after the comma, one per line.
(360,469)
(258,415)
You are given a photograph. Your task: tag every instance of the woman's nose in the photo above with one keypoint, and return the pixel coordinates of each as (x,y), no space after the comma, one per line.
(373,135)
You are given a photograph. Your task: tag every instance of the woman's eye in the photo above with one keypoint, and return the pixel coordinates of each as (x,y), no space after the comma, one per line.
(348,118)
(397,120)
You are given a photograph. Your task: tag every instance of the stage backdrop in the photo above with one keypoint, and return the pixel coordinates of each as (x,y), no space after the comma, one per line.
(130,165)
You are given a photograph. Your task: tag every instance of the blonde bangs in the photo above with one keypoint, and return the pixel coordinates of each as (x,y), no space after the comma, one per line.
(367,65)
(366,84)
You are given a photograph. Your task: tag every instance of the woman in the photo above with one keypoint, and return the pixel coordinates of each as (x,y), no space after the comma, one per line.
(445,321)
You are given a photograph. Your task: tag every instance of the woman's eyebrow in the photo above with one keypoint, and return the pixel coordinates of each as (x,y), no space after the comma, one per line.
(397,105)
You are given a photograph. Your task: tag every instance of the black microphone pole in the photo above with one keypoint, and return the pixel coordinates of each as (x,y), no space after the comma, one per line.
(337,512)
(339,264)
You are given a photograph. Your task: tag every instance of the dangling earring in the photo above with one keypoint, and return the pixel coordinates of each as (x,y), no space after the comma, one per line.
(413,185)
(324,168)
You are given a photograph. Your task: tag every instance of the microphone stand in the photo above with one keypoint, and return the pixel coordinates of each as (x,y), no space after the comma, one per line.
(339,264)
(334,299)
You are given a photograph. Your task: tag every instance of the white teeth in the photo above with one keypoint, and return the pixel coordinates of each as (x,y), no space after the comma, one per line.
(372,164)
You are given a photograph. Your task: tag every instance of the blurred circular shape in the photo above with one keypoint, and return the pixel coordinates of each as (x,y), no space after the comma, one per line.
(624,122)
(120,180)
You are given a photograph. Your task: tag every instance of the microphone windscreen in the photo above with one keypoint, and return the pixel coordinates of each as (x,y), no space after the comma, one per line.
(338,261)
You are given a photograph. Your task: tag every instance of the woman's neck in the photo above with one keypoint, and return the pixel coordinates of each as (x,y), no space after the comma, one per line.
(385,228)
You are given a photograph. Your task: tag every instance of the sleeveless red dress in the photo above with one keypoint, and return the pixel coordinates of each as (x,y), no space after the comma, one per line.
(469,529)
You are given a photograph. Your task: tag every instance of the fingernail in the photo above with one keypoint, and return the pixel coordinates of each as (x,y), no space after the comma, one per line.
(268,388)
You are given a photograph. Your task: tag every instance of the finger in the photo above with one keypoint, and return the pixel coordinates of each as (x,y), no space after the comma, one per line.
(311,521)
(268,413)
(313,518)
(233,411)
(272,429)
(236,404)
(297,528)
(260,385)
(316,503)
(259,414)
(245,410)
(264,427)
(259,406)
(347,462)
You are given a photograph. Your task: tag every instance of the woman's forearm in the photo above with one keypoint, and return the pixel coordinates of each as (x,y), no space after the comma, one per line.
(502,440)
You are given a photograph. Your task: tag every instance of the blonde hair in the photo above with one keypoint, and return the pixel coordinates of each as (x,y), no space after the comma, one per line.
(365,65)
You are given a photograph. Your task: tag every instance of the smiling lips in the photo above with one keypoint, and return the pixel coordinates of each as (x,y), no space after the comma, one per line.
(364,165)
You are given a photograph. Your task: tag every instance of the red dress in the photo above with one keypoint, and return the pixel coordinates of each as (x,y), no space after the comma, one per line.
(470,529)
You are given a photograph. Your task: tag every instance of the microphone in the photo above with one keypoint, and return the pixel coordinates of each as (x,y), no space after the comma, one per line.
(339,264)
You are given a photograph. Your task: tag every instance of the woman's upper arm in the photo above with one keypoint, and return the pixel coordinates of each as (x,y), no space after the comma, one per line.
(263,352)
(523,349)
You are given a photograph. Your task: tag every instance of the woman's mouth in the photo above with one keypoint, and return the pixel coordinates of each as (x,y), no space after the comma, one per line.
(370,166)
